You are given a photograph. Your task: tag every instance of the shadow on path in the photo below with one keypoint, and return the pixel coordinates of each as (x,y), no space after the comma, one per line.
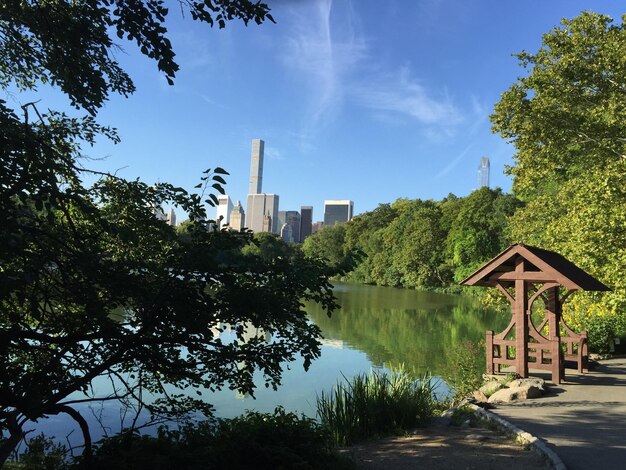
(582,419)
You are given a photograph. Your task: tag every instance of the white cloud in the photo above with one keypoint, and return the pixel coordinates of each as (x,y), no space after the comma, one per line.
(324,57)
(331,59)
(400,93)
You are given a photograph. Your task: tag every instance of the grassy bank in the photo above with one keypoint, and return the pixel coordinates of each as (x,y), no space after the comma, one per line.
(375,404)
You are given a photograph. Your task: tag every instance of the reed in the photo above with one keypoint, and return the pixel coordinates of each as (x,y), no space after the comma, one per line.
(375,404)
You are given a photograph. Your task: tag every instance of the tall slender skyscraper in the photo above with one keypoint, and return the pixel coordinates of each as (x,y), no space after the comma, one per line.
(337,211)
(483,172)
(259,203)
(171,218)
(256,167)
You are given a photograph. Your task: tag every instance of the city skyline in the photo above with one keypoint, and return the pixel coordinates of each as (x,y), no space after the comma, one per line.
(353,102)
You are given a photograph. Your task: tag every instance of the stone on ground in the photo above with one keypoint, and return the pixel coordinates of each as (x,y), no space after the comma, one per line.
(508,395)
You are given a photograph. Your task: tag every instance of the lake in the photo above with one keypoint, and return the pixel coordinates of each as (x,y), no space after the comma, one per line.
(375,328)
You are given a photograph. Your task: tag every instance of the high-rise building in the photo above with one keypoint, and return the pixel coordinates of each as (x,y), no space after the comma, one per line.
(286,233)
(171,218)
(306,222)
(224,208)
(337,211)
(483,172)
(237,218)
(291,218)
(256,167)
(267,223)
(259,203)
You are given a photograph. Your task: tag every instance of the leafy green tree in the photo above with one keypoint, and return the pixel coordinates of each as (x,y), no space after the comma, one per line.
(479,230)
(92,284)
(567,115)
(414,243)
(328,245)
(364,235)
(567,120)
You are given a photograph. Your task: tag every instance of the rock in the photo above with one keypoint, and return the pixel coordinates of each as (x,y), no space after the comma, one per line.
(480,397)
(534,381)
(476,437)
(503,378)
(448,413)
(491,387)
(533,391)
(508,395)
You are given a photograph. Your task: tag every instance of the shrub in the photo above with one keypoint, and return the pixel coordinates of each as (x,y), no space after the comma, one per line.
(466,364)
(41,453)
(254,440)
(375,404)
(601,323)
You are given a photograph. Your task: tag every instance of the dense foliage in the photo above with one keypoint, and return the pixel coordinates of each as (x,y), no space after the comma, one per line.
(567,121)
(415,243)
(466,364)
(254,440)
(92,283)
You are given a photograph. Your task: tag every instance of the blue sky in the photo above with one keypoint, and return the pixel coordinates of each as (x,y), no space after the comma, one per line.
(363,100)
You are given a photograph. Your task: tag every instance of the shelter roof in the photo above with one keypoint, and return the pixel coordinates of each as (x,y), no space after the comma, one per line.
(539,266)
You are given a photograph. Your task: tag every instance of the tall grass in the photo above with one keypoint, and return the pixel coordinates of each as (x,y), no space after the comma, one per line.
(375,404)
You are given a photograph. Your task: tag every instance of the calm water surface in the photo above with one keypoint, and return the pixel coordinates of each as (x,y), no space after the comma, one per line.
(375,328)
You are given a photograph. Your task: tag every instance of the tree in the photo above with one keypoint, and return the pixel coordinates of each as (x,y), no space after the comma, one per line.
(567,115)
(364,235)
(567,120)
(328,245)
(479,230)
(92,284)
(413,242)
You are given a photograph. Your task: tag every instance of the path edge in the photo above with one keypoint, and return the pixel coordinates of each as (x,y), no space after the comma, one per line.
(522,437)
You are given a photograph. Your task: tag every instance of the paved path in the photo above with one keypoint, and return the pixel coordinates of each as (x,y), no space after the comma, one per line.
(582,419)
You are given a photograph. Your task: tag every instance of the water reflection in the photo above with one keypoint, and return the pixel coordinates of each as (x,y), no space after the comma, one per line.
(396,327)
(375,327)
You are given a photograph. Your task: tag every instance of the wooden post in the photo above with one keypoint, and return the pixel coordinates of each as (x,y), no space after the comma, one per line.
(553,311)
(489,346)
(521,322)
(583,356)
(556,369)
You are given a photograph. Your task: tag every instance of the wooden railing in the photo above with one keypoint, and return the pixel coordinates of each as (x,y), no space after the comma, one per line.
(573,349)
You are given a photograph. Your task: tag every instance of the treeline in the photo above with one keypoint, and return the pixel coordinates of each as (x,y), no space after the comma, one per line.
(417,243)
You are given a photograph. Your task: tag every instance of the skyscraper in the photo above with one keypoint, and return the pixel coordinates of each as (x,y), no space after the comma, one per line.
(171,218)
(224,208)
(237,218)
(256,167)
(259,203)
(306,222)
(337,211)
(292,219)
(483,172)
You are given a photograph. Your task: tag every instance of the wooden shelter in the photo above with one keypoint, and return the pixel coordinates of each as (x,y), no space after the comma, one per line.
(524,274)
